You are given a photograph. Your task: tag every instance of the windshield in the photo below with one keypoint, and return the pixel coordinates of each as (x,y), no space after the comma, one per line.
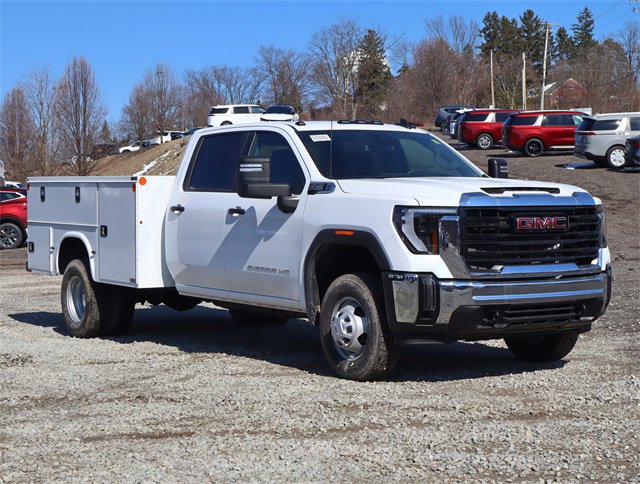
(352,154)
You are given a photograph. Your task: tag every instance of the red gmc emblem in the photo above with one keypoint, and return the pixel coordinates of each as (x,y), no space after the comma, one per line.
(542,223)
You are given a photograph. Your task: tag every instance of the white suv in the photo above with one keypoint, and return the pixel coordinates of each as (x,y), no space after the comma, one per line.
(224,115)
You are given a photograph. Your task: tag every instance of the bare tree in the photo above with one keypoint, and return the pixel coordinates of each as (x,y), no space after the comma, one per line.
(287,75)
(40,94)
(219,85)
(460,35)
(165,97)
(81,112)
(16,134)
(334,60)
(136,115)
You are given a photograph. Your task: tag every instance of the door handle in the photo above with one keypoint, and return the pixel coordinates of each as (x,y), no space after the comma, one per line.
(177,209)
(236,211)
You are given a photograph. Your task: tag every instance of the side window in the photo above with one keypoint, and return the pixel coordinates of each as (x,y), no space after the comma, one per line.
(635,124)
(555,120)
(501,117)
(241,110)
(215,163)
(257,110)
(577,119)
(285,167)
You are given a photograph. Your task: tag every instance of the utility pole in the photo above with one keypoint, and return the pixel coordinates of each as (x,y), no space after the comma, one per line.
(493,96)
(524,81)
(544,64)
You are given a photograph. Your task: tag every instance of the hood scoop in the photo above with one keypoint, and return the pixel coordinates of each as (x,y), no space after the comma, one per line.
(500,190)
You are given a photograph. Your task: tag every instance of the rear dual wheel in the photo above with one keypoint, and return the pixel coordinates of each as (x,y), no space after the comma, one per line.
(92,309)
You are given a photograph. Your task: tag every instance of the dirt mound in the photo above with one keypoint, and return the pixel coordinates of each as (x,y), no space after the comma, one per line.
(156,160)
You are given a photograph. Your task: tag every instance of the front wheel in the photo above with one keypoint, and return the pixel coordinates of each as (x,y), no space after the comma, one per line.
(615,157)
(353,331)
(226,123)
(548,347)
(534,147)
(484,141)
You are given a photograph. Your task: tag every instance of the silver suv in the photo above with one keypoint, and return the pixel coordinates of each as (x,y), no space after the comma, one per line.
(601,137)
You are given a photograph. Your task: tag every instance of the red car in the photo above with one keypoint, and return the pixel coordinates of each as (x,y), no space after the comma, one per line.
(534,132)
(13,217)
(483,127)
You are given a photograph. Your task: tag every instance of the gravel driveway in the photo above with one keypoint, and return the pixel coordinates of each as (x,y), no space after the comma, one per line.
(193,397)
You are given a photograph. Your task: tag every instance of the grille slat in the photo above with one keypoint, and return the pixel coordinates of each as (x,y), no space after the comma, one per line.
(488,237)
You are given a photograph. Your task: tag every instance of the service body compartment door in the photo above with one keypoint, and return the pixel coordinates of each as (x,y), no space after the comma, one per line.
(39,245)
(116,234)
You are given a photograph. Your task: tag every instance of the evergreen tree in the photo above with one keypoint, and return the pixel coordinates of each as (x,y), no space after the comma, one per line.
(533,33)
(583,33)
(500,34)
(563,45)
(374,75)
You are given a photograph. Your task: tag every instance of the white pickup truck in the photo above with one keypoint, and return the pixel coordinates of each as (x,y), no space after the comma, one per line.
(381,235)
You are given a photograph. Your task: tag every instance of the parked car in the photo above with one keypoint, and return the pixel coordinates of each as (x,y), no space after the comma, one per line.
(280,112)
(453,121)
(601,137)
(534,132)
(234,114)
(13,184)
(632,151)
(130,148)
(444,112)
(190,131)
(483,127)
(13,217)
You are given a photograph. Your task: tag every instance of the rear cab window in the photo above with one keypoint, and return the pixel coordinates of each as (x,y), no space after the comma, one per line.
(215,162)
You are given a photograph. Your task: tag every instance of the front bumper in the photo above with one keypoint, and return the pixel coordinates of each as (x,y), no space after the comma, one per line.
(421,306)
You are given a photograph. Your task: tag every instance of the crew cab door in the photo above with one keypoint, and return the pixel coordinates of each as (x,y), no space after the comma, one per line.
(263,241)
(195,219)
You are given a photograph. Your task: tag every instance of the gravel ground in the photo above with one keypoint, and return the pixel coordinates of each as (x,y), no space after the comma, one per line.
(193,397)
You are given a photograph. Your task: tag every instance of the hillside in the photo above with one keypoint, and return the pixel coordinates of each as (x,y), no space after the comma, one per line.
(156,160)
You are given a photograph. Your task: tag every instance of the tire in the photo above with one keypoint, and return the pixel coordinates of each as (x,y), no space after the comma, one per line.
(615,157)
(257,317)
(91,309)
(534,147)
(11,235)
(226,123)
(601,162)
(177,302)
(484,141)
(549,347)
(353,329)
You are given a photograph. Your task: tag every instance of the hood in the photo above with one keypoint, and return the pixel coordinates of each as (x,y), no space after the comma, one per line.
(448,192)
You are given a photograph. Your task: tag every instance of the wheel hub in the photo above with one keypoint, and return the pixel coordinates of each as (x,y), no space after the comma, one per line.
(617,158)
(349,328)
(76,300)
(8,237)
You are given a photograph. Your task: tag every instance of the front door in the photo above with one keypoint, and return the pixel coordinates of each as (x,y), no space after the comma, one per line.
(263,242)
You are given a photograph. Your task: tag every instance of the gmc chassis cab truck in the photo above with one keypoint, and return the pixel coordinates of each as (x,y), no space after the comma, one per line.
(381,235)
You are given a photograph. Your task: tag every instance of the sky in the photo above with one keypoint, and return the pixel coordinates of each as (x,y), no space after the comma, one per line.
(123,39)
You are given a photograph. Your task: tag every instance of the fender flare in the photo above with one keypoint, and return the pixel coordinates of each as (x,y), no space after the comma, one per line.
(87,245)
(358,238)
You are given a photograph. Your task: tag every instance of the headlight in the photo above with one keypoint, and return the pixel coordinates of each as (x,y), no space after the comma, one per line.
(418,227)
(603,226)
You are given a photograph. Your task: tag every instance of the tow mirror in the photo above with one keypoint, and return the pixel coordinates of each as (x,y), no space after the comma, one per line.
(254,179)
(498,168)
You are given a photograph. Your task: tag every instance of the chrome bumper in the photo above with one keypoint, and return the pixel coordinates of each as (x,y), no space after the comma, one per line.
(459,309)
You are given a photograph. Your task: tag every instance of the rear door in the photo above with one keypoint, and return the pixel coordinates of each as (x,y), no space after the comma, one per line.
(195,220)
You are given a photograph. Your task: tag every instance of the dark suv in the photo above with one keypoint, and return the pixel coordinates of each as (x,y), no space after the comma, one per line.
(534,132)
(446,111)
(483,127)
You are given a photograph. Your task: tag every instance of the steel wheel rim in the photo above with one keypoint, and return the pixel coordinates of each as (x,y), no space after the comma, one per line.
(616,158)
(76,300)
(484,142)
(8,237)
(349,328)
